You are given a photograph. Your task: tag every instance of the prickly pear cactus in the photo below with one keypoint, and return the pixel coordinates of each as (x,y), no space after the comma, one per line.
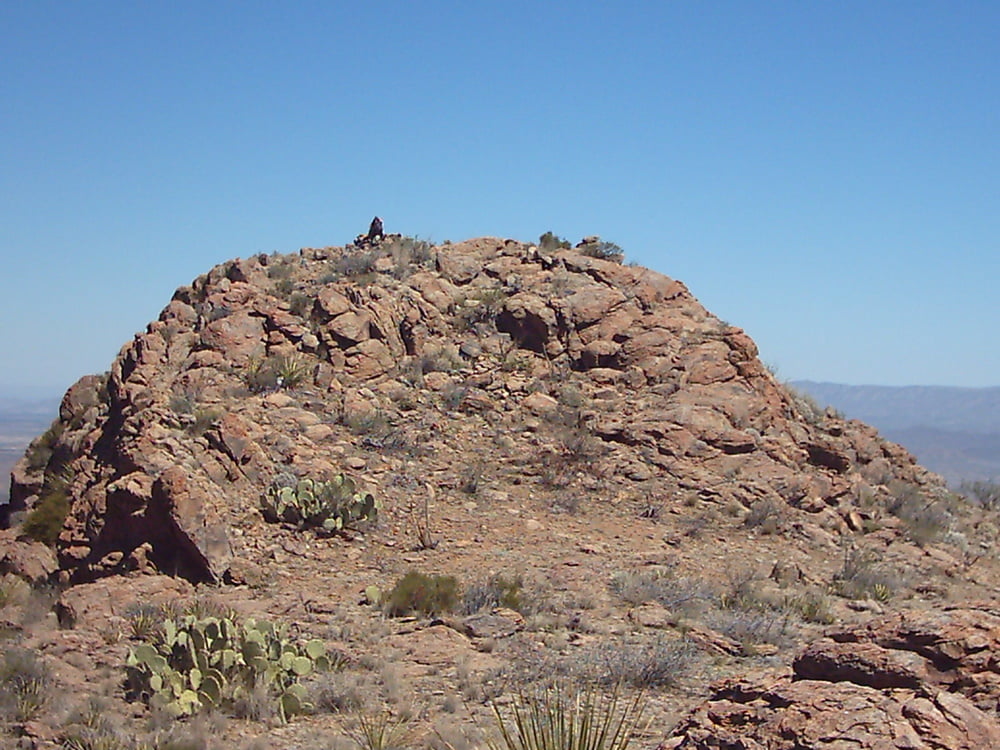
(194,663)
(325,506)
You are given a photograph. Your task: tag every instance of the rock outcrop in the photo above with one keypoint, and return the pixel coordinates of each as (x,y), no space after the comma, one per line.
(266,366)
(913,680)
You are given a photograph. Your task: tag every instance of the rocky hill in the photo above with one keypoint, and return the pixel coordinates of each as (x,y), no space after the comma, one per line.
(615,486)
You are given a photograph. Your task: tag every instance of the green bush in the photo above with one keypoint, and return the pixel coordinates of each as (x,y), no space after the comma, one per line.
(42,447)
(423,594)
(45,521)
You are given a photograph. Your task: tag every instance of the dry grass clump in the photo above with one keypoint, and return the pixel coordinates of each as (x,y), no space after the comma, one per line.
(662,586)
(657,663)
(926,519)
(862,576)
(25,685)
(341,691)
(497,591)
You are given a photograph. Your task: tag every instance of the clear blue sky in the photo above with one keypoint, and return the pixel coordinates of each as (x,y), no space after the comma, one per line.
(824,174)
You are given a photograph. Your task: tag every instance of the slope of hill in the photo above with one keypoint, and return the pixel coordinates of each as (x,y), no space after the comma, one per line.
(953,431)
(592,477)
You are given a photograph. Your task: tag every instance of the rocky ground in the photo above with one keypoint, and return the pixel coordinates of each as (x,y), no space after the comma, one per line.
(621,492)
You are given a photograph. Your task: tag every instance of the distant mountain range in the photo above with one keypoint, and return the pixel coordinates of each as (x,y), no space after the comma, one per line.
(952,431)
(22,419)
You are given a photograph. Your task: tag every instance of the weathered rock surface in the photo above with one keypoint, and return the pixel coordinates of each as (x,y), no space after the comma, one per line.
(781,714)
(912,680)
(167,454)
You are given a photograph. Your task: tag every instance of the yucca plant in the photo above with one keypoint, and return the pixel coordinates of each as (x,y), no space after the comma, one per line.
(382,731)
(556,720)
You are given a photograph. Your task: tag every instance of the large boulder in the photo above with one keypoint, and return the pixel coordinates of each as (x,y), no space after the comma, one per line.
(911,680)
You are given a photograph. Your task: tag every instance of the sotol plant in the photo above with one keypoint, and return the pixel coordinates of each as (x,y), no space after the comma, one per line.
(330,506)
(555,720)
(194,663)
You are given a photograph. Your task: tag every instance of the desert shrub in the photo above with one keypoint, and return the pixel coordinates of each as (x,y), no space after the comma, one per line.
(408,254)
(284,371)
(813,606)
(279,268)
(661,586)
(497,591)
(481,307)
(340,691)
(183,403)
(751,627)
(549,241)
(24,684)
(299,304)
(805,405)
(926,519)
(442,359)
(765,515)
(985,493)
(423,594)
(648,664)
(862,576)
(373,423)
(353,265)
(13,590)
(598,248)
(42,447)
(746,615)
(557,719)
(45,521)
(453,394)
(203,419)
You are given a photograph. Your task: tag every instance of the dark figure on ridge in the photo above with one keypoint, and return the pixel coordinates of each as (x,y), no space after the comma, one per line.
(375,231)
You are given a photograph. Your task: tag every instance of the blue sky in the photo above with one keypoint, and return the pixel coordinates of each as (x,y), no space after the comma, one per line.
(825,175)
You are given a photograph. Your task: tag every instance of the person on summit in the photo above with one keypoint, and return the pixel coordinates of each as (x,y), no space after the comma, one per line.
(375,231)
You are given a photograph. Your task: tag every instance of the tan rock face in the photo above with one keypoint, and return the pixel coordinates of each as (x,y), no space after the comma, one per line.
(914,680)
(779,714)
(560,354)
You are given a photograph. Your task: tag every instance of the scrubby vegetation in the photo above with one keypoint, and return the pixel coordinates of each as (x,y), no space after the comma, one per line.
(561,719)
(192,663)
(326,506)
(275,372)
(422,594)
